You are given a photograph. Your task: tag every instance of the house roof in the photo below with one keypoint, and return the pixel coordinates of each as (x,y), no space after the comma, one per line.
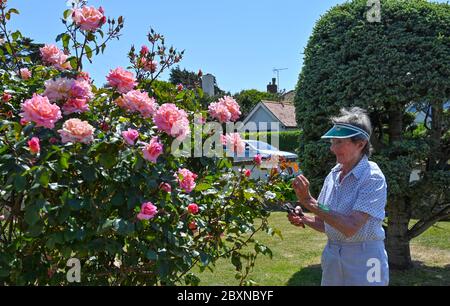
(283,111)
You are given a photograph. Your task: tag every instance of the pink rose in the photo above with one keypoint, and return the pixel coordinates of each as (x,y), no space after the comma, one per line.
(6,97)
(180,87)
(25,73)
(144,50)
(39,110)
(88,18)
(53,140)
(121,79)
(234,142)
(247,172)
(173,121)
(149,66)
(153,150)
(51,55)
(193,208)
(226,109)
(75,105)
(83,75)
(130,136)
(186,179)
(138,101)
(192,225)
(33,144)
(258,159)
(75,130)
(58,89)
(148,211)
(166,187)
(23,122)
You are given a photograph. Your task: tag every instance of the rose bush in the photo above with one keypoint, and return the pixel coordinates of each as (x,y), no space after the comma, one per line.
(90,173)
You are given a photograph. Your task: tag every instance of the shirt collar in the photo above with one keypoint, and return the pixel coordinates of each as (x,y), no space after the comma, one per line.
(357,171)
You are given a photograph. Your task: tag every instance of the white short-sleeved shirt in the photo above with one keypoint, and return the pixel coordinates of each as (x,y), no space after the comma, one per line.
(362,189)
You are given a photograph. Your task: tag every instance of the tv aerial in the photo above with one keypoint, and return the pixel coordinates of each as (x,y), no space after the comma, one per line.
(277,71)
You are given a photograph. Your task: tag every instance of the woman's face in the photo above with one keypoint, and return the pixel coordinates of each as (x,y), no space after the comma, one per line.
(346,151)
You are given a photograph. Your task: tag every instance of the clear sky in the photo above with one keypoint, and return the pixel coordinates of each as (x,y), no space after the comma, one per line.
(238,41)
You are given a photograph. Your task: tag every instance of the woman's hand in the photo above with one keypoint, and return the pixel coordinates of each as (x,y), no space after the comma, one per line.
(301,188)
(297,218)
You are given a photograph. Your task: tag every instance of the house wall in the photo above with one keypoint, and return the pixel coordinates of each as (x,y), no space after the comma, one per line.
(259,116)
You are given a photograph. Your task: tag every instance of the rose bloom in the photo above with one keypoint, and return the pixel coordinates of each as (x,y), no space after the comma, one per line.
(224,110)
(192,225)
(234,142)
(23,122)
(25,73)
(173,121)
(186,179)
(138,101)
(247,172)
(51,55)
(88,18)
(33,144)
(130,136)
(121,79)
(144,50)
(180,87)
(39,110)
(153,150)
(75,130)
(148,211)
(58,89)
(81,88)
(166,187)
(147,65)
(258,159)
(6,97)
(75,105)
(193,208)
(219,111)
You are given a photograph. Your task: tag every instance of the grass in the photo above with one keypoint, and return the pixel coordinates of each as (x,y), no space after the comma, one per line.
(296,259)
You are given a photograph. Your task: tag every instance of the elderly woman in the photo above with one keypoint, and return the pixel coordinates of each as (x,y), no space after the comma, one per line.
(350,208)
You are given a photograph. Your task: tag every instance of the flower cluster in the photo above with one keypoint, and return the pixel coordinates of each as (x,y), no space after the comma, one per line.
(89,18)
(225,109)
(52,56)
(186,179)
(122,80)
(74,93)
(138,101)
(172,120)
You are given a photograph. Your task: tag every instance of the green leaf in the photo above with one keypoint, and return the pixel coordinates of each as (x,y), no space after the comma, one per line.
(64,160)
(65,40)
(151,255)
(202,187)
(67,13)
(75,204)
(20,182)
(32,214)
(44,178)
(16,35)
(123,227)
(88,51)
(108,160)
(118,199)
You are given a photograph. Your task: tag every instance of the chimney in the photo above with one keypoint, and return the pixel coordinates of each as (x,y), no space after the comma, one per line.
(208,84)
(272,88)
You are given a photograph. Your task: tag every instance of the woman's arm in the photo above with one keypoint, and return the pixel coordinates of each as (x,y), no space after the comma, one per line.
(312,221)
(348,225)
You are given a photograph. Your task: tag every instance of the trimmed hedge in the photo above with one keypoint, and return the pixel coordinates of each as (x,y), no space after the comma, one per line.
(288,140)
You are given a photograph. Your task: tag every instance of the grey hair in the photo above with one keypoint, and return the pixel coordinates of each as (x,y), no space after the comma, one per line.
(358,117)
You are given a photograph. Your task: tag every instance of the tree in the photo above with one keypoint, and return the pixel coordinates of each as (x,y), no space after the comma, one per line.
(189,79)
(249,98)
(385,67)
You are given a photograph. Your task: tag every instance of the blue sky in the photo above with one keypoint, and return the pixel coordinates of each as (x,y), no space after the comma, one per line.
(238,41)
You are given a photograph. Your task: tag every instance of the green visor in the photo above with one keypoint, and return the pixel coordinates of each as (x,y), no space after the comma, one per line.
(343,130)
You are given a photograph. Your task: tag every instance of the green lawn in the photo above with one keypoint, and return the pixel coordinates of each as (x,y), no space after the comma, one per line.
(296,259)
